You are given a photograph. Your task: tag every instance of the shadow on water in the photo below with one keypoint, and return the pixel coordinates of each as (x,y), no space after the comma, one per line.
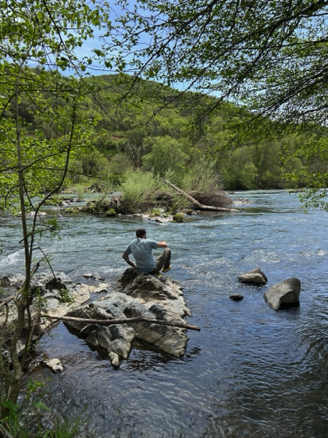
(251,372)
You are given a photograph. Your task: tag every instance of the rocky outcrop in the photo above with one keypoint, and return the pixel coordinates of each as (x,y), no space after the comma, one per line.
(284,294)
(56,296)
(137,295)
(145,298)
(256,276)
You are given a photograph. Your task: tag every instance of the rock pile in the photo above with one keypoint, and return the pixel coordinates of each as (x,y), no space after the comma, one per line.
(137,296)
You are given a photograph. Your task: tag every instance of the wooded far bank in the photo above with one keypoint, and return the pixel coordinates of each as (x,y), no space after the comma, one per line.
(155,131)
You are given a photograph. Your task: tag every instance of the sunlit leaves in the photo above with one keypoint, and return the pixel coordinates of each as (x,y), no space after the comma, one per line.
(268,54)
(48,33)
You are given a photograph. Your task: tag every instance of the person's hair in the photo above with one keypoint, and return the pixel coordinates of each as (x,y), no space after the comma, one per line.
(140,232)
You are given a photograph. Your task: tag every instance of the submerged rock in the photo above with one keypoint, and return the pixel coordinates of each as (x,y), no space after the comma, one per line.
(137,295)
(284,294)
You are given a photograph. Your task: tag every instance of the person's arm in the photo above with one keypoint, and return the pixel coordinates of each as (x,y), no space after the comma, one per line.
(162,244)
(127,259)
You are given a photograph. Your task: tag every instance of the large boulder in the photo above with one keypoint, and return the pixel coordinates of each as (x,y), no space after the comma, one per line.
(137,296)
(256,276)
(284,294)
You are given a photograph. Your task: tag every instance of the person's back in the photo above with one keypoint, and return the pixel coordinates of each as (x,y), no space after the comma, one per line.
(141,248)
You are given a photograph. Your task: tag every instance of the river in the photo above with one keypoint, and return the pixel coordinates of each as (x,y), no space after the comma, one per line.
(250,372)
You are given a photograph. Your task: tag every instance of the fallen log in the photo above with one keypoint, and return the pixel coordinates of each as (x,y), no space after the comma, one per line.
(195,202)
(123,321)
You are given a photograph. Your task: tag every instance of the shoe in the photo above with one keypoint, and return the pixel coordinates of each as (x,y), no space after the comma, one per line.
(166,269)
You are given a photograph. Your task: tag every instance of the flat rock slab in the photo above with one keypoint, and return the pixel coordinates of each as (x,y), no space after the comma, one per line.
(284,294)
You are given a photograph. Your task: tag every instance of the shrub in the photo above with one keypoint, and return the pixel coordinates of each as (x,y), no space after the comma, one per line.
(65,296)
(111,212)
(138,187)
(80,190)
(120,164)
(179,217)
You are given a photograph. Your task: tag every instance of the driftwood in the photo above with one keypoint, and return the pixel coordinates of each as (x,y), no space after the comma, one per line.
(124,321)
(195,202)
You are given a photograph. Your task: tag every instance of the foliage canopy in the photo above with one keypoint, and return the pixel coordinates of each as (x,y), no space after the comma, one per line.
(270,55)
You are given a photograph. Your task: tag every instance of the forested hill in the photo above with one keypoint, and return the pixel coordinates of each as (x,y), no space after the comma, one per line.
(150,127)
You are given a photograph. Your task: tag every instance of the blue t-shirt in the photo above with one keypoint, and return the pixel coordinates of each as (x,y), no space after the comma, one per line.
(141,250)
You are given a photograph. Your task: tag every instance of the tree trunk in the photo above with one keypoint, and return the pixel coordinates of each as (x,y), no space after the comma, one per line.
(195,202)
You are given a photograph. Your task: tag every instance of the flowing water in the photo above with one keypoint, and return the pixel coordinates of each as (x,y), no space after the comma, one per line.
(250,372)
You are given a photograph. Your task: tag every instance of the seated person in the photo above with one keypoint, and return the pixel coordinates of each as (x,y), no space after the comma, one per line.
(141,248)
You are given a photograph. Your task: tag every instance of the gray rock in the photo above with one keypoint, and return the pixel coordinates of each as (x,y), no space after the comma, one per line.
(136,295)
(5,281)
(139,295)
(51,304)
(284,294)
(12,280)
(236,297)
(55,283)
(93,277)
(256,276)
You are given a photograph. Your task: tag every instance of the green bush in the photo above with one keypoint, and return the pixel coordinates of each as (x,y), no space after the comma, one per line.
(239,171)
(65,296)
(138,187)
(179,217)
(80,191)
(111,212)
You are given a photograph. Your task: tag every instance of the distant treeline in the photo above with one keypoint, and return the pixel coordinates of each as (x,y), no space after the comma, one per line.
(148,127)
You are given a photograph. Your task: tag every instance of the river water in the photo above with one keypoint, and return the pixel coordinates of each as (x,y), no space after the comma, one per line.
(250,372)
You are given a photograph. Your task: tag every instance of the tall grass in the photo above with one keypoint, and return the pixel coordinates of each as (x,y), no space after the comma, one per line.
(80,191)
(137,188)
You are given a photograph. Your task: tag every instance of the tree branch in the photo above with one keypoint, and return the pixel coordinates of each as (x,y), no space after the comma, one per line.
(194,201)
(124,321)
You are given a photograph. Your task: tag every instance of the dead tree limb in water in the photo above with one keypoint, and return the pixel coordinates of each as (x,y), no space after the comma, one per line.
(195,202)
(123,321)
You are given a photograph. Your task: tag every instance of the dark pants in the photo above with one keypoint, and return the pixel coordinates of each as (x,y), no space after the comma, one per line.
(163,261)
